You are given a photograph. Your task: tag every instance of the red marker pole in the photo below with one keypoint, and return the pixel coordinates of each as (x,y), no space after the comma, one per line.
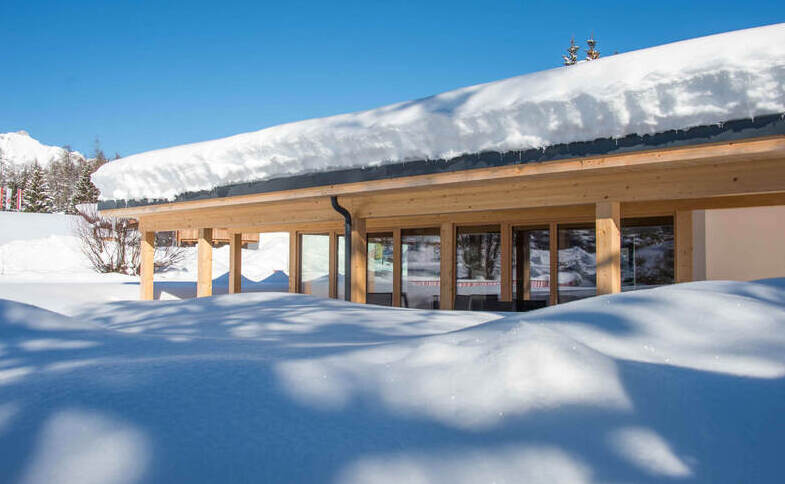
(19,199)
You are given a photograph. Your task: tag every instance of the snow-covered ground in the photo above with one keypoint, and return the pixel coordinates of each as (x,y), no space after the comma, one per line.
(683,383)
(703,81)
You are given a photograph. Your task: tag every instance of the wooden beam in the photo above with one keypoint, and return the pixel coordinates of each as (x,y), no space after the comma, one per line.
(359,257)
(506,261)
(553,283)
(333,263)
(204,280)
(294,262)
(608,243)
(523,266)
(684,245)
(397,267)
(764,148)
(447,266)
(235,263)
(146,265)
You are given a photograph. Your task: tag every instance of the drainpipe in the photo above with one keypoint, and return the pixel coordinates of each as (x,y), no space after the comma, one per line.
(347,243)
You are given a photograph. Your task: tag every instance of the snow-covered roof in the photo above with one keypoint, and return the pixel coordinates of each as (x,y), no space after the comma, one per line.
(703,81)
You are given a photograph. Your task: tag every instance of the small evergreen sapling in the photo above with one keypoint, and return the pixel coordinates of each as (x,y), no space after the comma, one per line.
(37,196)
(572,53)
(592,53)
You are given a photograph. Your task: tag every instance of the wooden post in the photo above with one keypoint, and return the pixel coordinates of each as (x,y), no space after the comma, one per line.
(359,257)
(524,266)
(397,267)
(333,263)
(294,262)
(553,283)
(506,260)
(146,265)
(447,269)
(684,245)
(204,277)
(608,233)
(235,263)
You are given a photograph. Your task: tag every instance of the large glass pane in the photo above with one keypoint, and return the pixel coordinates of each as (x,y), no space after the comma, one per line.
(577,263)
(646,253)
(531,269)
(315,265)
(478,261)
(341,267)
(420,258)
(380,269)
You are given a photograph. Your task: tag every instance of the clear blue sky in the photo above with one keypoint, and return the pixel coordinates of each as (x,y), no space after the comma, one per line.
(143,74)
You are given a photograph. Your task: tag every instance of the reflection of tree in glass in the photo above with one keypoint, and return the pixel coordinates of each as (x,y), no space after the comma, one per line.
(479,254)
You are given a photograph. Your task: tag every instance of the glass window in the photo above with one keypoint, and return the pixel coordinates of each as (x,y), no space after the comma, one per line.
(646,253)
(531,269)
(380,269)
(420,271)
(315,265)
(577,262)
(478,261)
(341,278)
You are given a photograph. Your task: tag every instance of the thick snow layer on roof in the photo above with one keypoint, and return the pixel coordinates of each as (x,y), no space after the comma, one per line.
(21,149)
(701,81)
(684,383)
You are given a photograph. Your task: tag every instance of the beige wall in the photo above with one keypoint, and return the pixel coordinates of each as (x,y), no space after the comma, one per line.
(739,244)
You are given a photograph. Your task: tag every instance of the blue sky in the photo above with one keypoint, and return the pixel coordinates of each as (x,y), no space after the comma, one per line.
(144,75)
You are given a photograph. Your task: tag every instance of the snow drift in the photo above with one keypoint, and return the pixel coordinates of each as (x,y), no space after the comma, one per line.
(682,382)
(703,81)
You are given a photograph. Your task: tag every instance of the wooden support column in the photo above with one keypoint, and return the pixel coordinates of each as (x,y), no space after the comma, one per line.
(397,267)
(447,269)
(553,283)
(146,265)
(359,257)
(506,259)
(608,233)
(204,277)
(684,245)
(523,267)
(333,263)
(294,262)
(235,263)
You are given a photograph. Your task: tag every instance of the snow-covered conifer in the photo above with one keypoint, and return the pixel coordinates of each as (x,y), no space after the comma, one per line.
(592,53)
(85,191)
(572,53)
(37,196)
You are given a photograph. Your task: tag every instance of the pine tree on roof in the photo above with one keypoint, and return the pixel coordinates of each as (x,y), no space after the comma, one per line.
(592,53)
(37,196)
(572,53)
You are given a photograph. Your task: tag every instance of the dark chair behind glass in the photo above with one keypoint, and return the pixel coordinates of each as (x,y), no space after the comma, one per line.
(379,298)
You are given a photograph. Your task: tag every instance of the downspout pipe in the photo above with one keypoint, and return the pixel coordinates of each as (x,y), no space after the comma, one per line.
(347,241)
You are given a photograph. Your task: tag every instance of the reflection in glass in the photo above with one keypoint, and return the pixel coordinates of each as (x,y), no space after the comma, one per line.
(420,258)
(577,263)
(380,269)
(646,253)
(531,268)
(315,265)
(478,260)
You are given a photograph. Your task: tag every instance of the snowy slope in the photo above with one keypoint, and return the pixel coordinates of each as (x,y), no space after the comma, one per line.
(702,81)
(21,149)
(682,383)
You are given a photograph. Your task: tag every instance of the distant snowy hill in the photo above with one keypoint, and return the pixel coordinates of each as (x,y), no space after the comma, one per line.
(21,149)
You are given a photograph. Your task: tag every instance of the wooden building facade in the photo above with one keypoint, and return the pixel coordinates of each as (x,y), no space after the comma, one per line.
(598,194)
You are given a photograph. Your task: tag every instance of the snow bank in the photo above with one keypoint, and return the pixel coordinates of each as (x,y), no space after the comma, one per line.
(21,149)
(702,81)
(684,382)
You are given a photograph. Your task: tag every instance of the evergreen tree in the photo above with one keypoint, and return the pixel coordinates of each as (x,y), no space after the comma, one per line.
(63,175)
(85,191)
(99,158)
(592,53)
(572,53)
(37,196)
